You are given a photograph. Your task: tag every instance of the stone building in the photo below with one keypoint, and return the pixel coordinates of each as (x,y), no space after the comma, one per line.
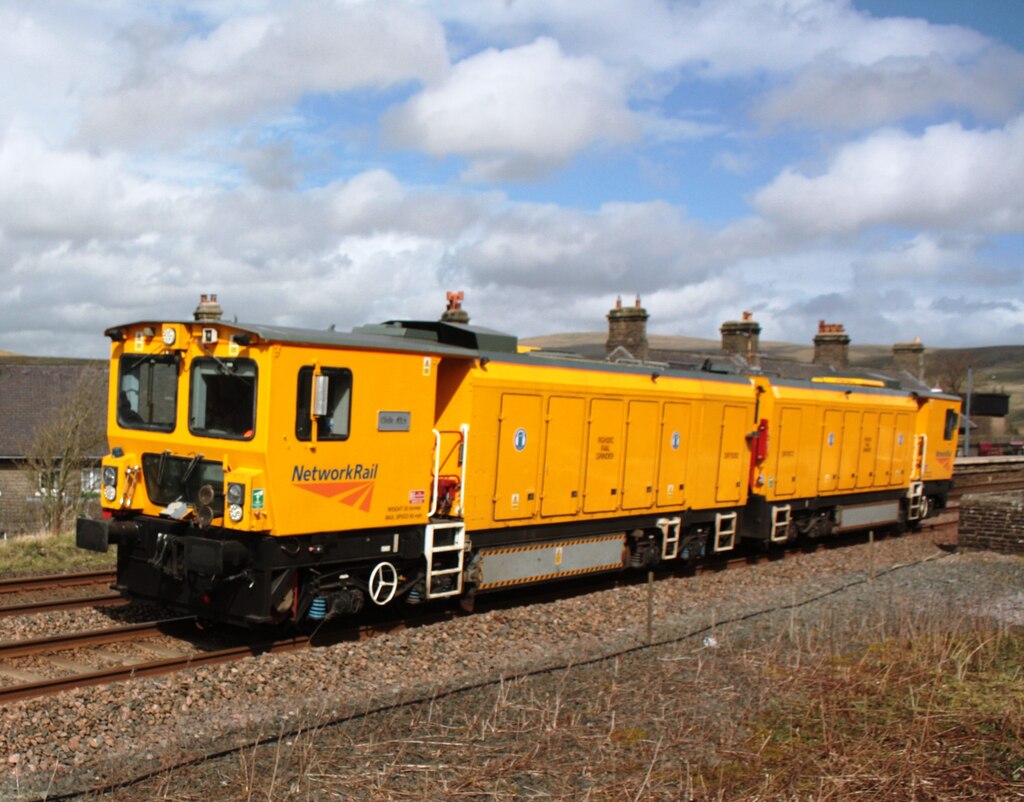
(34,392)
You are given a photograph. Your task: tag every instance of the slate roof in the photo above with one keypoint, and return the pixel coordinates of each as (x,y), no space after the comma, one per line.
(33,390)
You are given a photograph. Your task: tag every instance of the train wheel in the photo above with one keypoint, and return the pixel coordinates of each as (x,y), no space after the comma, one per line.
(383,583)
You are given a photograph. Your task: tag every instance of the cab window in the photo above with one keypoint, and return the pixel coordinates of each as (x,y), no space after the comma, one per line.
(147,392)
(952,424)
(324,403)
(223,398)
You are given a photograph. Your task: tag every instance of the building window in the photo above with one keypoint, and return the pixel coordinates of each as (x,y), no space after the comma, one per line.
(91,481)
(49,481)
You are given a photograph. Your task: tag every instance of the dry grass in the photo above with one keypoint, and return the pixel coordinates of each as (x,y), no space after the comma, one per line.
(49,554)
(896,706)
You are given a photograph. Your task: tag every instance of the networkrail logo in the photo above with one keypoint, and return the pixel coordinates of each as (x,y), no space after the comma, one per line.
(351,484)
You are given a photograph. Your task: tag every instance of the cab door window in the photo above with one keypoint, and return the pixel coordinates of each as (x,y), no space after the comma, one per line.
(952,423)
(324,403)
(223,399)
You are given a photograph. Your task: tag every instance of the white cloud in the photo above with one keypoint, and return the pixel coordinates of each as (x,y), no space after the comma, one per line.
(619,247)
(828,92)
(717,37)
(516,113)
(948,177)
(255,66)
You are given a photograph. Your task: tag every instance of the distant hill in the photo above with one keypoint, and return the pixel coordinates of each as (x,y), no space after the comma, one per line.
(997,368)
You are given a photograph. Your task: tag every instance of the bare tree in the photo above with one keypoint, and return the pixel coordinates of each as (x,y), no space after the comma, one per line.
(62,446)
(948,370)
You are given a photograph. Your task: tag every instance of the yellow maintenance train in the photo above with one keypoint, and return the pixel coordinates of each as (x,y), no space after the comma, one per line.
(264,475)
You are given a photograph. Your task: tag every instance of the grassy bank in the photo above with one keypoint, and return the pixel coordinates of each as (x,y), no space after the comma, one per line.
(49,554)
(876,700)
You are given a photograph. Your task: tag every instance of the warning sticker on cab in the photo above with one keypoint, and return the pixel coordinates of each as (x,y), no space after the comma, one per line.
(417,496)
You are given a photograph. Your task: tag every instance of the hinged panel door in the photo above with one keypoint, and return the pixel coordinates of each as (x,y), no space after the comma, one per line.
(789,451)
(641,455)
(675,446)
(868,450)
(883,457)
(563,456)
(902,453)
(604,456)
(850,451)
(732,449)
(831,440)
(519,438)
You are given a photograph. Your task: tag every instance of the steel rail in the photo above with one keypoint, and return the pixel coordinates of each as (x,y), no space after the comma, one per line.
(70,603)
(150,668)
(19,584)
(94,637)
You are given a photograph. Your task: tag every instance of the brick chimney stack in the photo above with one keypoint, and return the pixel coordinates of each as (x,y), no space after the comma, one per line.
(742,337)
(910,357)
(627,329)
(831,345)
(208,308)
(454,313)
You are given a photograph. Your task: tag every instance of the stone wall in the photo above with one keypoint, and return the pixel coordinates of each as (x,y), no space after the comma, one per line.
(993,521)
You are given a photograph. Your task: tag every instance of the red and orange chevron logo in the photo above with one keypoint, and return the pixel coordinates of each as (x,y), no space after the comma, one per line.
(354,494)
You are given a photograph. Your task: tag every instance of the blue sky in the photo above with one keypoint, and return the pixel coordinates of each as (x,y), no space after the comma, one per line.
(325,162)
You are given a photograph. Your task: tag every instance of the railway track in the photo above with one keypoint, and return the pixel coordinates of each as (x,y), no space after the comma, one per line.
(188,648)
(86,647)
(56,587)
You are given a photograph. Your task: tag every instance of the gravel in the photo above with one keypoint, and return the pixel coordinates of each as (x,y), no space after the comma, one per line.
(87,737)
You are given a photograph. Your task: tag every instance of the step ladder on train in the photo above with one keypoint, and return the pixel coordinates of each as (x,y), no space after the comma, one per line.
(669,537)
(782,517)
(916,501)
(725,531)
(444,548)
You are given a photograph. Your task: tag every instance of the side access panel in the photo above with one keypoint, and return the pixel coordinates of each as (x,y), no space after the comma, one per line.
(849,451)
(883,456)
(831,448)
(902,449)
(868,450)
(731,451)
(604,455)
(675,448)
(563,456)
(515,494)
(789,451)
(641,455)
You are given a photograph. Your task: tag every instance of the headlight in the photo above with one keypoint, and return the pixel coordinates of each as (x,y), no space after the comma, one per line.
(170,335)
(109,475)
(236,493)
(235,513)
(109,492)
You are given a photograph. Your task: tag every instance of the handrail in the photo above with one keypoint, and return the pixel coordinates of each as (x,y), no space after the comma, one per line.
(464,429)
(437,472)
